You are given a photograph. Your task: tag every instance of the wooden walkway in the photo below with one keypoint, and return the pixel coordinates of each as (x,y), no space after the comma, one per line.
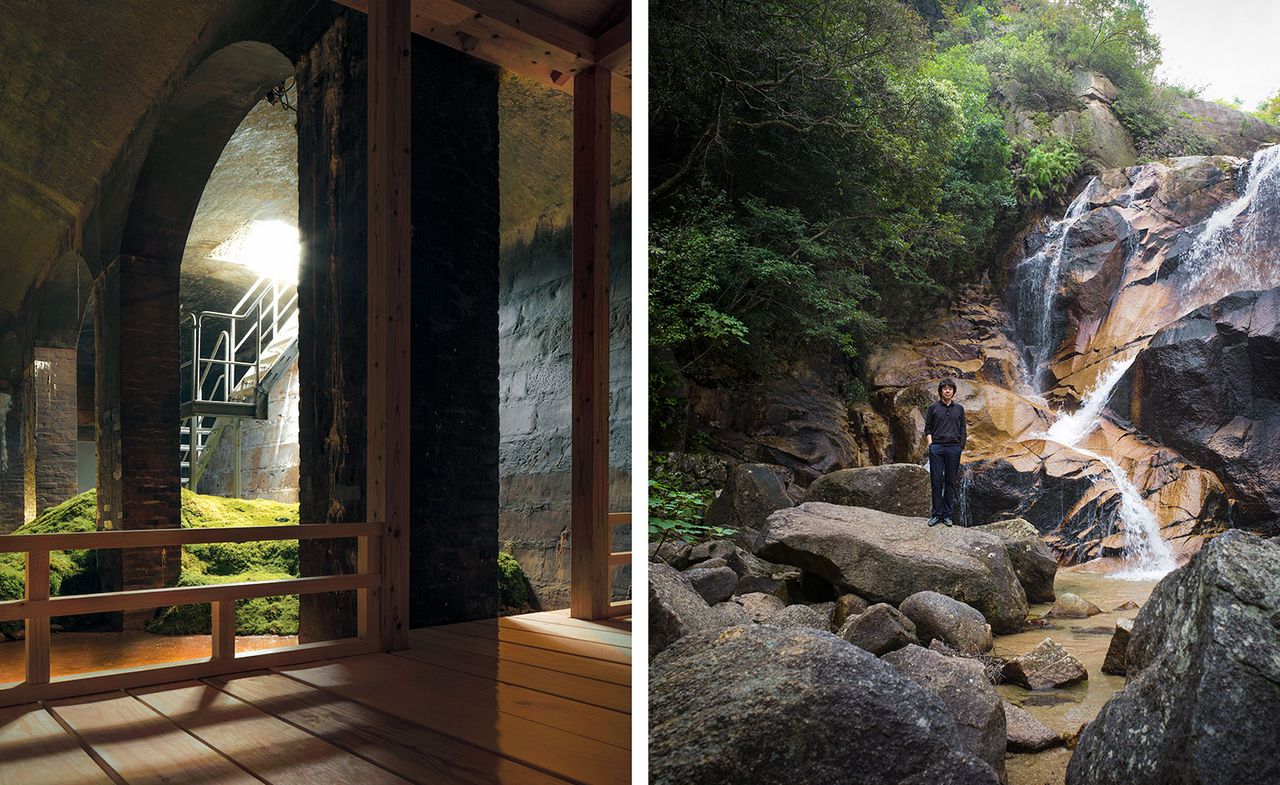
(538,699)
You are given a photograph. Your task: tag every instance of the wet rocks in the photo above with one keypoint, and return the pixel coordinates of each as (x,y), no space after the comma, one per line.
(1073,606)
(763,705)
(1201,703)
(1033,562)
(887,558)
(899,488)
(881,629)
(965,691)
(937,616)
(1117,650)
(1025,733)
(1045,667)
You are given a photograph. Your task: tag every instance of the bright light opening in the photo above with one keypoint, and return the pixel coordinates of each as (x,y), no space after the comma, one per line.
(269,248)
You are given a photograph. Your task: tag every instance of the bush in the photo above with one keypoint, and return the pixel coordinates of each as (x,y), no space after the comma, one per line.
(1049,169)
(676,506)
(513,588)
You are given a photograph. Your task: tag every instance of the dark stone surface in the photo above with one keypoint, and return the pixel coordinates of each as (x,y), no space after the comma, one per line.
(751,494)
(899,488)
(1117,651)
(1025,733)
(1224,362)
(1201,704)
(799,616)
(939,617)
(676,609)
(887,558)
(1032,560)
(453,420)
(964,689)
(713,584)
(881,629)
(763,705)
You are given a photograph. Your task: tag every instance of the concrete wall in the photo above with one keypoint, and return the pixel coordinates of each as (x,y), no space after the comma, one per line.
(268,448)
(535,315)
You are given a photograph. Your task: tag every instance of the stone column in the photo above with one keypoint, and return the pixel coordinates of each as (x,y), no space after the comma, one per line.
(137,387)
(454,419)
(49,443)
(11,463)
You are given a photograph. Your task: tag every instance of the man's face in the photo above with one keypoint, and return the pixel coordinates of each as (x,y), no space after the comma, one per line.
(947,394)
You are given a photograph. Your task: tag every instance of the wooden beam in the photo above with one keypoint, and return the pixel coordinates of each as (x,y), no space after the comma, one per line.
(518,38)
(589,510)
(152,538)
(613,47)
(388,384)
(37,629)
(224,629)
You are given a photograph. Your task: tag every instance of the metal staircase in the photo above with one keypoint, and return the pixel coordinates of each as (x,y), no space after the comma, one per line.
(225,381)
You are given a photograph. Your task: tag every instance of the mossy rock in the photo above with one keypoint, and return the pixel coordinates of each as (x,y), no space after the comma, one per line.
(513,587)
(256,616)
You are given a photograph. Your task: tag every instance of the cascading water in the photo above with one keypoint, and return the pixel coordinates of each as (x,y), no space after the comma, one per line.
(1147,554)
(1036,288)
(1216,262)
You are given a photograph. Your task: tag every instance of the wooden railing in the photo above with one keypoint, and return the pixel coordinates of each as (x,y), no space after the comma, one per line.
(617,559)
(37,607)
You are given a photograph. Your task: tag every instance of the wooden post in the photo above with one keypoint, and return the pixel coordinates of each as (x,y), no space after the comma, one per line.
(224,629)
(37,630)
(589,511)
(389,161)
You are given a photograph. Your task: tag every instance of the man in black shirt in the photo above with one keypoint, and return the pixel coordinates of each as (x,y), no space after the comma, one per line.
(944,436)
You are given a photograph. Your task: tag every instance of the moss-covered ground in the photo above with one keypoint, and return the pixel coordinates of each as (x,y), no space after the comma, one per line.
(76,572)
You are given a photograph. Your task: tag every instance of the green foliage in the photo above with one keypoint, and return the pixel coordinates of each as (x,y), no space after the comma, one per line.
(1269,110)
(1049,168)
(676,506)
(1178,139)
(1026,70)
(513,589)
(256,616)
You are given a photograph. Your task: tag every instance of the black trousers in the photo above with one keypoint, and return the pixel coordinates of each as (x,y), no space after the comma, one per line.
(944,476)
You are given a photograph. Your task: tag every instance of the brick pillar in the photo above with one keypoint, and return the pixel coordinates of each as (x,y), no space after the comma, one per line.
(455,431)
(49,443)
(332,306)
(137,387)
(11,468)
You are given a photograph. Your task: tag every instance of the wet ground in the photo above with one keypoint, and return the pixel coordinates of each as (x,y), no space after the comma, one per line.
(86,652)
(1065,710)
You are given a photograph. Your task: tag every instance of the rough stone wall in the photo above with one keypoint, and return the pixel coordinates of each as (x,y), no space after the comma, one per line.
(332,307)
(454,417)
(268,449)
(535,318)
(11,468)
(50,430)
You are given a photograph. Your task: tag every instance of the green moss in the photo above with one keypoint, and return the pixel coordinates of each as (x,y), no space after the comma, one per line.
(513,589)
(76,572)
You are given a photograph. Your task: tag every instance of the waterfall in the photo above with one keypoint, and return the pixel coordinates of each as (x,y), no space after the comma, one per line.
(1036,287)
(1146,552)
(1220,253)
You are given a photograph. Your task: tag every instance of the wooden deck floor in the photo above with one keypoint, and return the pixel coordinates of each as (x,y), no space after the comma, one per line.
(538,699)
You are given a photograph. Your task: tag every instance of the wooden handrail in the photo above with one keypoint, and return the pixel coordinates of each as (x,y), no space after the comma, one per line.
(150,538)
(619,518)
(619,557)
(75,605)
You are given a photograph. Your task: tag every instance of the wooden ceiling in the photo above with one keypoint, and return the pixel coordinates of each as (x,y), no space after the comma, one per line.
(545,40)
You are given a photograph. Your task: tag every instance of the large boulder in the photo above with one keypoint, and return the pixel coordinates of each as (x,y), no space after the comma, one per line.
(887,558)
(964,689)
(675,608)
(899,488)
(1229,131)
(1045,667)
(880,630)
(752,492)
(1206,386)
(1032,560)
(1202,701)
(713,584)
(1118,650)
(760,606)
(939,617)
(764,705)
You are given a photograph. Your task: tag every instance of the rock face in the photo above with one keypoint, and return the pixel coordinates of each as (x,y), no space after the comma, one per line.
(1032,560)
(1025,733)
(752,492)
(1117,651)
(1230,131)
(1206,386)
(675,608)
(1046,666)
(713,584)
(899,488)
(887,558)
(1201,704)
(965,690)
(1073,606)
(938,617)
(763,705)
(880,630)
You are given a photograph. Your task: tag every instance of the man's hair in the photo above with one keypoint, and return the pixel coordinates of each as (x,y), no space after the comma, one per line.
(946,383)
